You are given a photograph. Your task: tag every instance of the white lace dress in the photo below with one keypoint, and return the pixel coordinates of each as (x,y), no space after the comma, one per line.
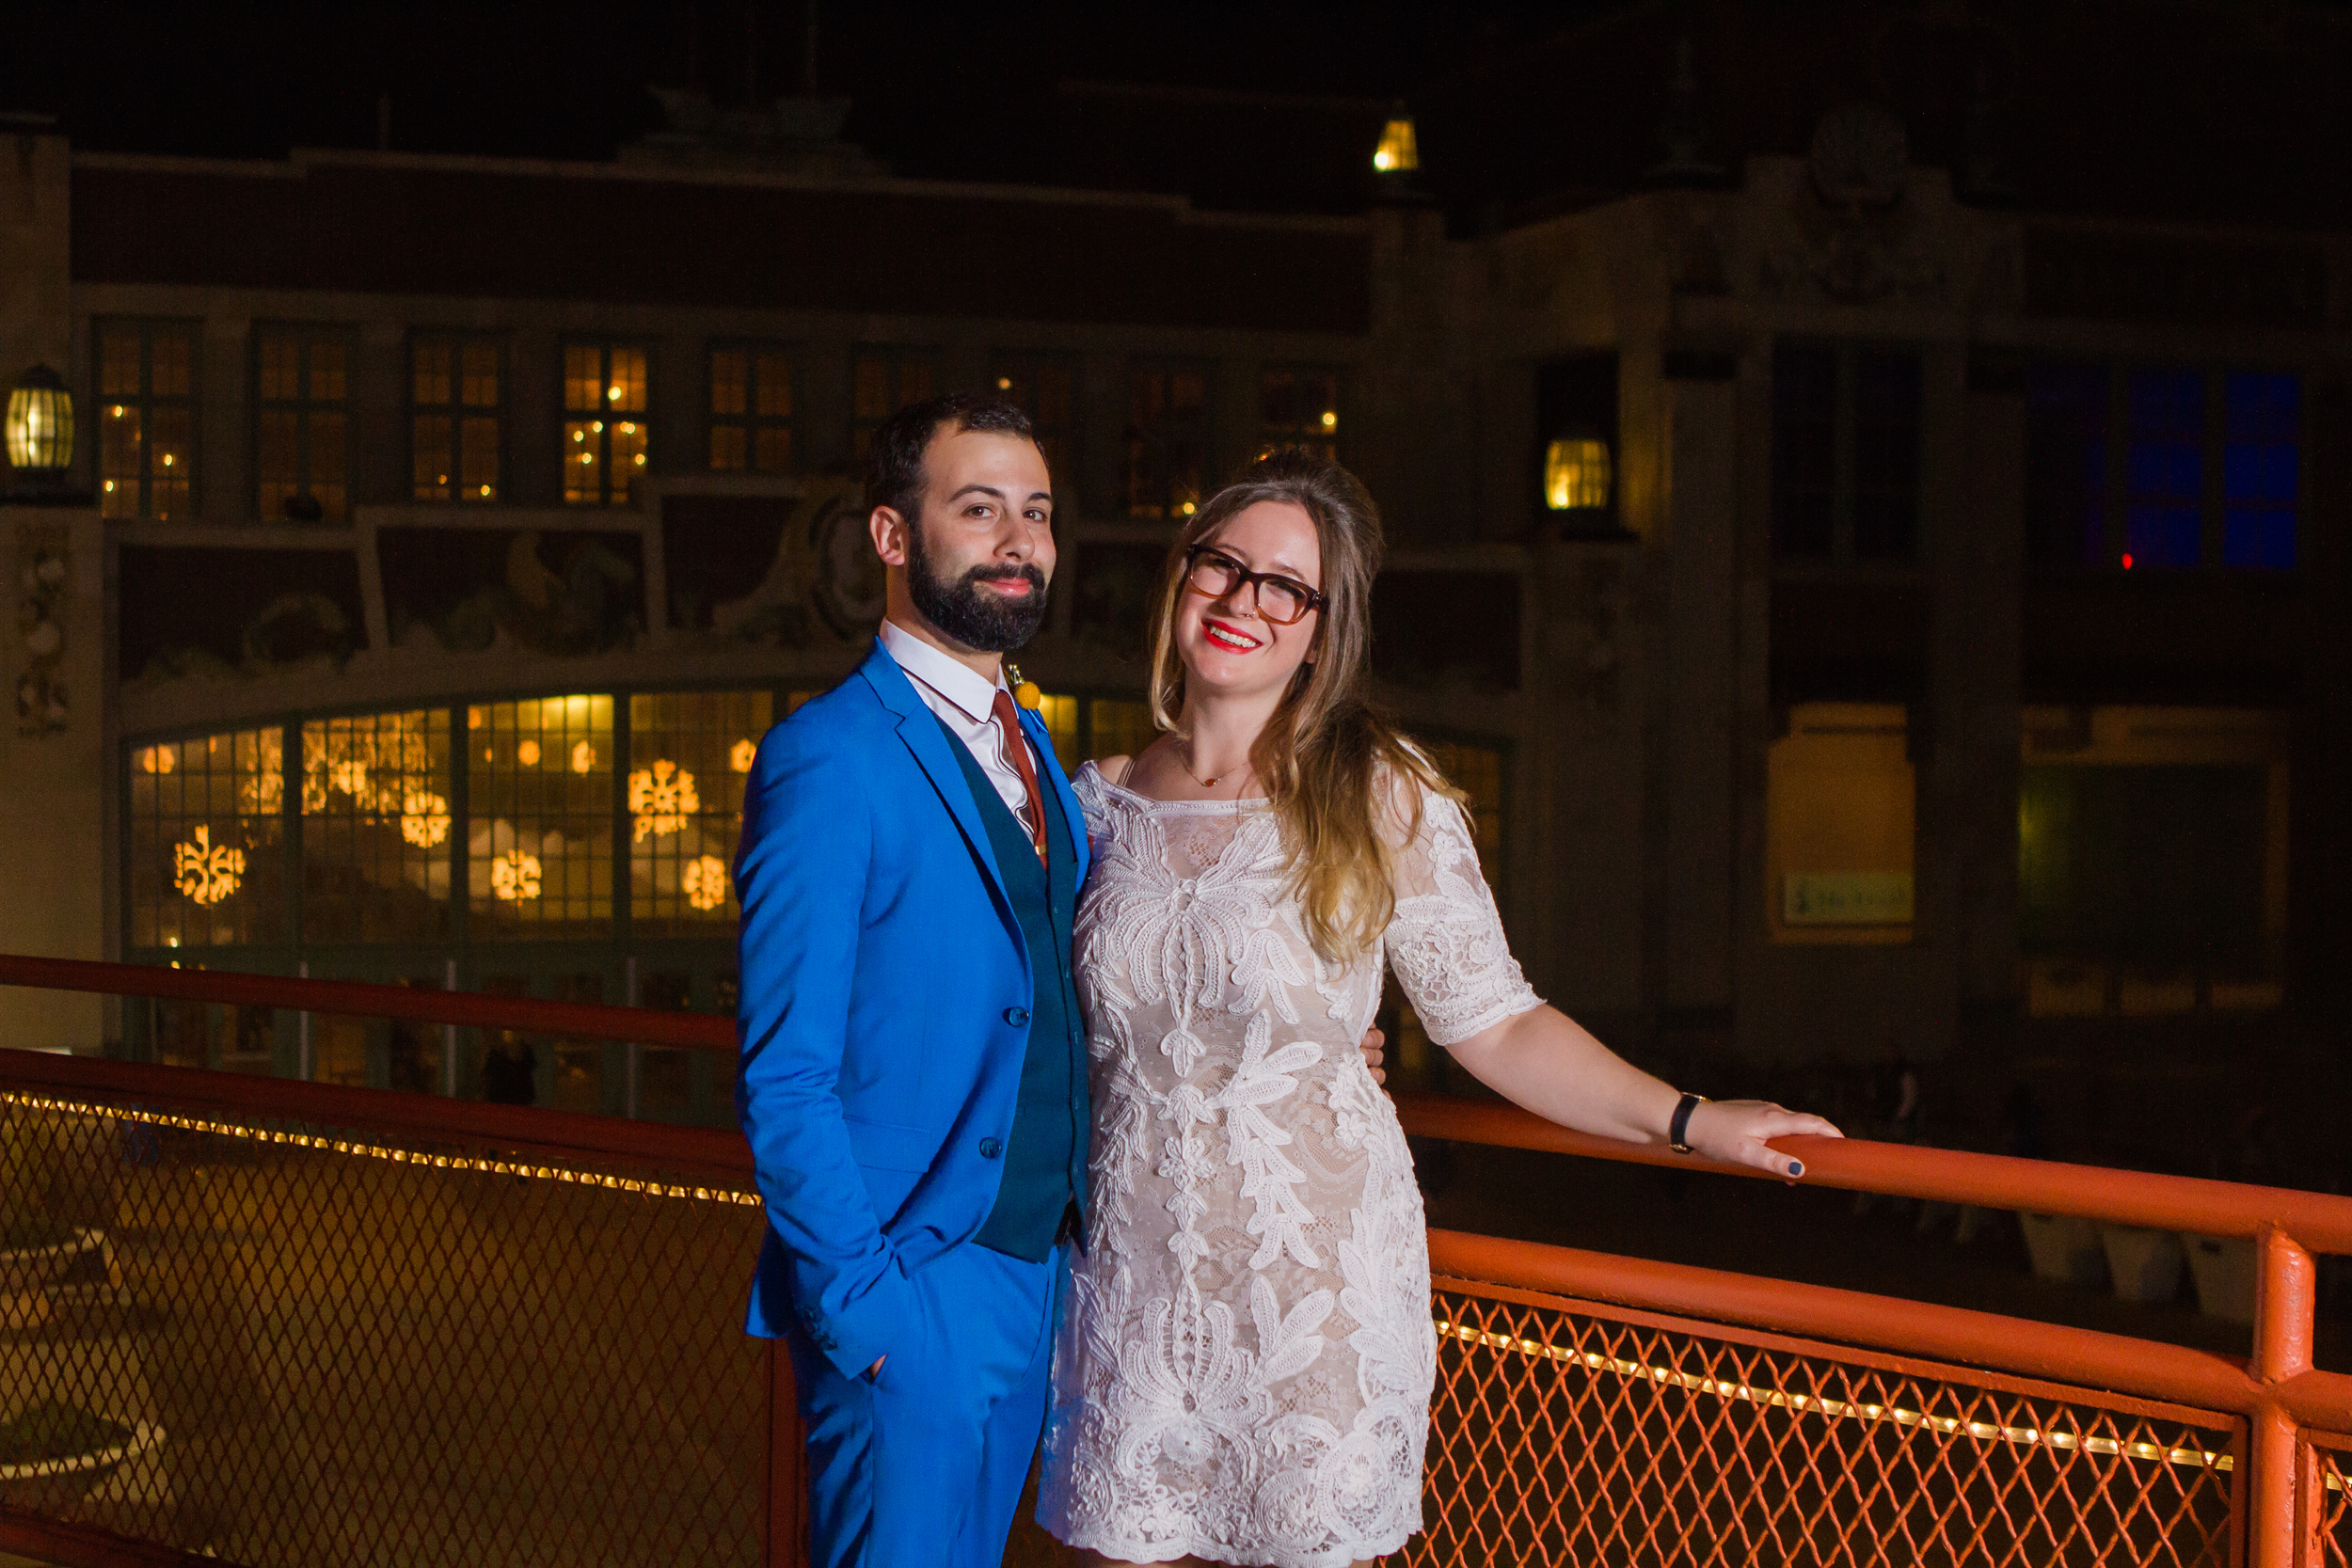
(1246,1368)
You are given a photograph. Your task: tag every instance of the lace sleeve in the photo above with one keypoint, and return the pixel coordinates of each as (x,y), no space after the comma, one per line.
(1445,941)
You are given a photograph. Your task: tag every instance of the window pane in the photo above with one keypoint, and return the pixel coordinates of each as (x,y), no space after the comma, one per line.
(730,376)
(280,460)
(171,461)
(281,366)
(1804,452)
(429,459)
(326,370)
(119,461)
(478,460)
(583,462)
(430,380)
(872,389)
(689,753)
(2261,463)
(2066,466)
(1840,804)
(1165,445)
(539,857)
(206,859)
(629,457)
(776,385)
(480,389)
(376,828)
(1886,456)
(625,392)
(726,448)
(583,378)
(774,449)
(172,362)
(2165,468)
(119,350)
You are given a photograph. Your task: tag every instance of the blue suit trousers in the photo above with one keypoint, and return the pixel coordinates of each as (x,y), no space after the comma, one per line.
(921,1465)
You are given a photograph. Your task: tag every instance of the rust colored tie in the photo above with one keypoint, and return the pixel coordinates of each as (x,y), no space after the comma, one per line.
(1017,747)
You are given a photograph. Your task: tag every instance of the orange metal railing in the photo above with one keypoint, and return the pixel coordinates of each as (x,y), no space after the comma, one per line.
(358,1326)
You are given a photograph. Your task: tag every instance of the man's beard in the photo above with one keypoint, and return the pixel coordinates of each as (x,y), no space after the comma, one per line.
(978,618)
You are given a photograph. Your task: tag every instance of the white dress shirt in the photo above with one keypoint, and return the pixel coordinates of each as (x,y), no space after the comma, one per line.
(965,702)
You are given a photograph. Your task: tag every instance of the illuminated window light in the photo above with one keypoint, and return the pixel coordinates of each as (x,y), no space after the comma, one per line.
(515,877)
(583,758)
(41,422)
(528,753)
(204,872)
(1004,384)
(1330,420)
(742,756)
(704,881)
(1577,473)
(662,796)
(424,819)
(1399,152)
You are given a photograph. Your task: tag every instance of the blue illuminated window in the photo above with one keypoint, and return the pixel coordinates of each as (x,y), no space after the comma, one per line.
(2164,514)
(2146,468)
(2262,420)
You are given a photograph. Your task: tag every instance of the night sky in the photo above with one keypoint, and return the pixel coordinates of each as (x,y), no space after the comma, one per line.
(942,90)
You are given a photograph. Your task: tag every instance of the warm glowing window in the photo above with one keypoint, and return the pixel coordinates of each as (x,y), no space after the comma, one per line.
(206,841)
(147,376)
(1300,407)
(302,423)
(1839,806)
(883,380)
(1168,418)
(1846,432)
(377,827)
(751,410)
(539,824)
(604,423)
(1044,386)
(2151,860)
(689,756)
(457,416)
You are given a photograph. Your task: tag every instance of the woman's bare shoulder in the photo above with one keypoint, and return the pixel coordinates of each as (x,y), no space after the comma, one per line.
(1114,768)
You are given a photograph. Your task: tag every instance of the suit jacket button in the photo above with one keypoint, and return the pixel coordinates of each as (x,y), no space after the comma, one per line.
(991,1147)
(1016,1016)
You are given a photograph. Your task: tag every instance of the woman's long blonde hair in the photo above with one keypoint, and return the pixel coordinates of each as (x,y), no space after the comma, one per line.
(1331,765)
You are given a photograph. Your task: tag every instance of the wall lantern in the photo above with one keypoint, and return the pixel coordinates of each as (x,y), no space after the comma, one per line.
(41,423)
(1577,473)
(1398,152)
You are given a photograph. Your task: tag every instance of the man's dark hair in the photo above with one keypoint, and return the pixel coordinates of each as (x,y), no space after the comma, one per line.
(894,463)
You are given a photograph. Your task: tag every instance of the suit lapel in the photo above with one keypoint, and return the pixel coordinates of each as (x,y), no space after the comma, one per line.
(919,728)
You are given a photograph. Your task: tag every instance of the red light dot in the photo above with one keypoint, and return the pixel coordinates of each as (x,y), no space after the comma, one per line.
(2127,563)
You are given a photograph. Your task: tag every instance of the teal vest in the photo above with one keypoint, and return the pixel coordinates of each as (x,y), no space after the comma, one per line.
(1046,1157)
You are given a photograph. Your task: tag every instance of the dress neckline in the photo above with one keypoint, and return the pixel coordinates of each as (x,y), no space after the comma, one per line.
(1232,808)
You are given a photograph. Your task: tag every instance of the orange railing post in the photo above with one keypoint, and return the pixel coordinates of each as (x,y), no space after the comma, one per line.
(2285,1307)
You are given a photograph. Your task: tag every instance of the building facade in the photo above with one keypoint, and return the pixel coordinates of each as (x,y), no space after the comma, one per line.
(1949,655)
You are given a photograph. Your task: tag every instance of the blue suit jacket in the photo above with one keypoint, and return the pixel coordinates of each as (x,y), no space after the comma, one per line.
(885,988)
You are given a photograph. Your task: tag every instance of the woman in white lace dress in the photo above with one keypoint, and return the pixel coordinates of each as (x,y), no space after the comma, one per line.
(1246,1370)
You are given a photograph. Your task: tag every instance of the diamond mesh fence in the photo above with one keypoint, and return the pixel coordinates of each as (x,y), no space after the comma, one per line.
(1564,1433)
(2333,1501)
(302,1345)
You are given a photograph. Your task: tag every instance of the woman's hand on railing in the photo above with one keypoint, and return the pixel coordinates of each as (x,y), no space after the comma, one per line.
(1738,1133)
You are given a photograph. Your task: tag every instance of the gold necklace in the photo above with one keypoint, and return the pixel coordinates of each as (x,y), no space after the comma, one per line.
(1205,784)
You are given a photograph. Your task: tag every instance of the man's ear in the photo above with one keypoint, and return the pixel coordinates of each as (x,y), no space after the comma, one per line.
(888,530)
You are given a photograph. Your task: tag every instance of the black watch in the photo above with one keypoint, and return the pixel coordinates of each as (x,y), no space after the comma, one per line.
(1678,1128)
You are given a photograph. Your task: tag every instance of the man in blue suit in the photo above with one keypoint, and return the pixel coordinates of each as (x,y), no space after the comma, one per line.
(914,1064)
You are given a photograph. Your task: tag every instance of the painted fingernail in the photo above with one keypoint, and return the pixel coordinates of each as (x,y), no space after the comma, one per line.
(1796,1167)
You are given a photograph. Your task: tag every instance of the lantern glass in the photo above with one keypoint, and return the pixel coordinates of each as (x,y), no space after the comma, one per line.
(1577,473)
(41,423)
(1398,151)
